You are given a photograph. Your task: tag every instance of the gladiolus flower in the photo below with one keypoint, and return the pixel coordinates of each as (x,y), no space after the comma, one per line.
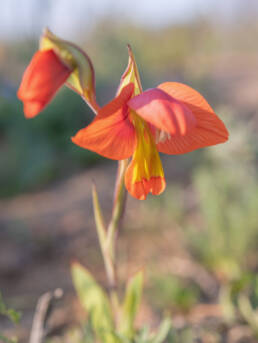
(172,118)
(57,62)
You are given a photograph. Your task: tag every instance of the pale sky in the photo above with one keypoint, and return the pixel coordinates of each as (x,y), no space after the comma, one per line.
(23,18)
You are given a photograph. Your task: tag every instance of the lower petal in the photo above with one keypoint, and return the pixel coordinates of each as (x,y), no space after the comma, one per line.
(140,189)
(145,172)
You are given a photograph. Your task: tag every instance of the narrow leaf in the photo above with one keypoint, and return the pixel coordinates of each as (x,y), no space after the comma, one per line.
(13,315)
(95,302)
(248,313)
(163,331)
(99,221)
(131,304)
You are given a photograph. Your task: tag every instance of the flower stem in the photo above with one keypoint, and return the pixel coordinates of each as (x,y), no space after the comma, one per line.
(107,237)
(118,207)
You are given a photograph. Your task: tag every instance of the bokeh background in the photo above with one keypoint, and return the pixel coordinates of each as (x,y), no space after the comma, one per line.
(198,241)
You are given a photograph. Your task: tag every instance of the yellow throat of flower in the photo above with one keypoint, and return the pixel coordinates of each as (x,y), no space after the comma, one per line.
(145,173)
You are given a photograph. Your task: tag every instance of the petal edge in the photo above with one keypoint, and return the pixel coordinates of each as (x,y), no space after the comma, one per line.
(111,134)
(209,130)
(163,111)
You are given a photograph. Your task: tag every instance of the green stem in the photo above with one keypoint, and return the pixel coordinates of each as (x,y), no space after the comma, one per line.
(113,229)
(118,208)
(99,221)
(102,235)
(107,237)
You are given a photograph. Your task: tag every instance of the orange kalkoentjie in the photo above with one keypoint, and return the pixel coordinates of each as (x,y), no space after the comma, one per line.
(57,62)
(143,125)
(172,118)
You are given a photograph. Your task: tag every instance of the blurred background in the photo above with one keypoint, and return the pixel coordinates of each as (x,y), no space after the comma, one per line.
(197,241)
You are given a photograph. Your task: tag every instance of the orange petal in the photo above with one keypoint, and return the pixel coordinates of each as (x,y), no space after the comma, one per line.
(111,134)
(145,172)
(117,102)
(41,80)
(82,78)
(209,129)
(163,111)
(140,189)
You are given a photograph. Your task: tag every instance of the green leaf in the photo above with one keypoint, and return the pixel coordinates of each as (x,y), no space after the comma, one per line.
(163,331)
(248,313)
(131,304)
(7,340)
(99,220)
(227,304)
(2,305)
(13,315)
(143,335)
(95,302)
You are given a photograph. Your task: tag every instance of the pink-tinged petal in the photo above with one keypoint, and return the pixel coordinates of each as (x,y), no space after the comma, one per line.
(163,111)
(209,129)
(111,134)
(45,74)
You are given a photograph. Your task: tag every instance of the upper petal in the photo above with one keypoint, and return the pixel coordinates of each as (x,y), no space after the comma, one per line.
(111,134)
(131,75)
(209,129)
(163,111)
(82,79)
(119,101)
(45,74)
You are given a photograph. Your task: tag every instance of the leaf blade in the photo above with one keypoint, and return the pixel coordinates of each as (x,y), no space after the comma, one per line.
(95,302)
(131,304)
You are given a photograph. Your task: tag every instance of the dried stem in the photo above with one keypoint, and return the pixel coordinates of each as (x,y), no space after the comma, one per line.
(43,310)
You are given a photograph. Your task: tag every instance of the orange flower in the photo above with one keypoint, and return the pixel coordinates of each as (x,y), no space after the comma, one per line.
(172,118)
(57,62)
(45,74)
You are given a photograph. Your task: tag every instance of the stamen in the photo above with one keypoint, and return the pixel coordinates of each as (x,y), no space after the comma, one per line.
(161,136)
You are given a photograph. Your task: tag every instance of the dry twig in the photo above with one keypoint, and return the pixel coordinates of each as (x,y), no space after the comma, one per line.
(42,313)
